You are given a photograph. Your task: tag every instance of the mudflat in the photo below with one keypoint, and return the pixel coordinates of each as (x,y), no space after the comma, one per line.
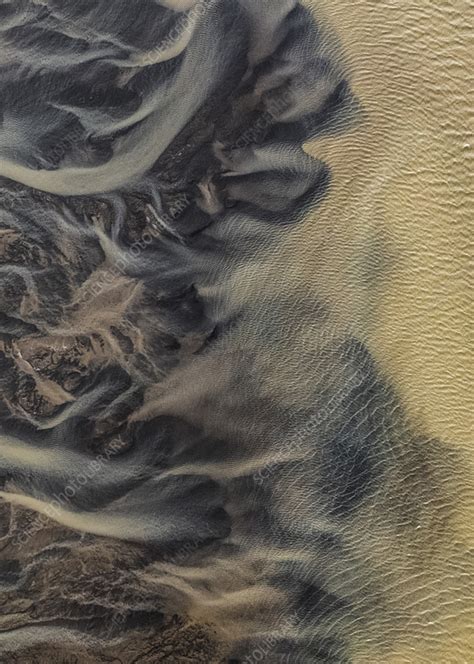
(235,373)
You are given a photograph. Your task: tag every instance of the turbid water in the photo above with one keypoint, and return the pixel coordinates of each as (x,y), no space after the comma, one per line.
(236,410)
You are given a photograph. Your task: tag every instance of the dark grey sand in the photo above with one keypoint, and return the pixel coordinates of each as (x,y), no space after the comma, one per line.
(187,462)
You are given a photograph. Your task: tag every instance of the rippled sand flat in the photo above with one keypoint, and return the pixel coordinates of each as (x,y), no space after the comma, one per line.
(235,347)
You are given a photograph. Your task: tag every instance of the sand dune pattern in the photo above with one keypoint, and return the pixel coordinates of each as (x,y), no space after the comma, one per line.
(169,493)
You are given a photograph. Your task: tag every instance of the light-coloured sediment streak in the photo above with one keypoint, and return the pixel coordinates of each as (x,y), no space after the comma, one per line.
(193,422)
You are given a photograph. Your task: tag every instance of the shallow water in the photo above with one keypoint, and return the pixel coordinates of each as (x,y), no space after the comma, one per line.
(236,404)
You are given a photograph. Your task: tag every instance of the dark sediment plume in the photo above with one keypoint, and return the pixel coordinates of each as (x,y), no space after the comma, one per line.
(166,498)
